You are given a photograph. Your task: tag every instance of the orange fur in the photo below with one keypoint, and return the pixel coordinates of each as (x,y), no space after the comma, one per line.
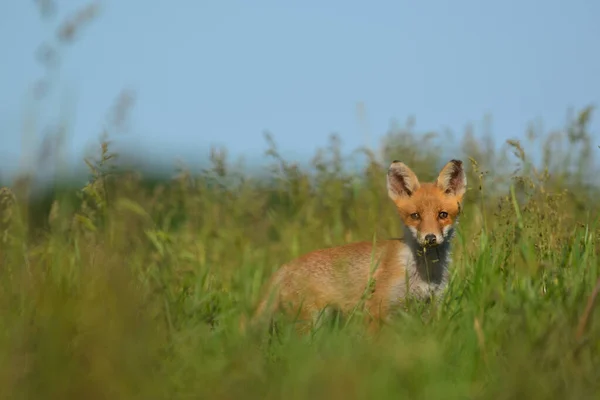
(416,265)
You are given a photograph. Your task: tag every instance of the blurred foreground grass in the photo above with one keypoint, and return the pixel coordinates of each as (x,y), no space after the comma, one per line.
(130,290)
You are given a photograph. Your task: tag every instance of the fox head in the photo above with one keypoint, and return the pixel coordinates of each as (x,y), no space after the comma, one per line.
(429,210)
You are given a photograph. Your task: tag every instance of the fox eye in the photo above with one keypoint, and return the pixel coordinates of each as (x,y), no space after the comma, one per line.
(443,215)
(414,215)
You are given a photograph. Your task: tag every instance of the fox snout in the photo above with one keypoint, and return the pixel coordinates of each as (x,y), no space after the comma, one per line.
(430,239)
(426,238)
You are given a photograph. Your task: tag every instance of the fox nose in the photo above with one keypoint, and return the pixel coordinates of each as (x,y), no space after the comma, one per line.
(430,238)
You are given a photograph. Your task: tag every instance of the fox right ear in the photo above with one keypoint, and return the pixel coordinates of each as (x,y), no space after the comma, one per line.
(401,181)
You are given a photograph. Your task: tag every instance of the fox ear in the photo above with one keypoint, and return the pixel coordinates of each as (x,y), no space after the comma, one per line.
(401,181)
(452,179)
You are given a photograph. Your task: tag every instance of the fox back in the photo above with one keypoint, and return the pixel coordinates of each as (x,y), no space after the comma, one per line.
(380,274)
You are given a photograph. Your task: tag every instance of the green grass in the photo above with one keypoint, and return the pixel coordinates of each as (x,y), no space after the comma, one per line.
(136,291)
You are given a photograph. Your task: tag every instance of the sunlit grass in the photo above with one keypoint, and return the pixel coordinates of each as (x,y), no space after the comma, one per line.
(136,291)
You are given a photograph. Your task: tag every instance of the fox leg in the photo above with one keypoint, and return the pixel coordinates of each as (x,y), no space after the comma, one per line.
(377,310)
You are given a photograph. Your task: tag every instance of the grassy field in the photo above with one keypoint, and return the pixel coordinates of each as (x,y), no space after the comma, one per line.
(131,290)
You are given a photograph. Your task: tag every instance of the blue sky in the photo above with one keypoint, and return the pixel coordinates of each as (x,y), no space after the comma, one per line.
(222,72)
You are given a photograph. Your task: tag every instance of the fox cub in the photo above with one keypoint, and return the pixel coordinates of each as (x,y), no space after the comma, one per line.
(386,271)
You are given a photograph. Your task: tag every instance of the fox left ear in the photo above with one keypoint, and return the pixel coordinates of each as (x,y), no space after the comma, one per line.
(452,179)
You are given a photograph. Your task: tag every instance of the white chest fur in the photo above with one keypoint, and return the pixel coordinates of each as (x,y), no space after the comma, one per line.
(426,274)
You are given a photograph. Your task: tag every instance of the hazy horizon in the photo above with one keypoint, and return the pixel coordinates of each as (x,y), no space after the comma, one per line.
(224,73)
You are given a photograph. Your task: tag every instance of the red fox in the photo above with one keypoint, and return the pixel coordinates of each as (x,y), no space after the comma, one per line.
(387,270)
